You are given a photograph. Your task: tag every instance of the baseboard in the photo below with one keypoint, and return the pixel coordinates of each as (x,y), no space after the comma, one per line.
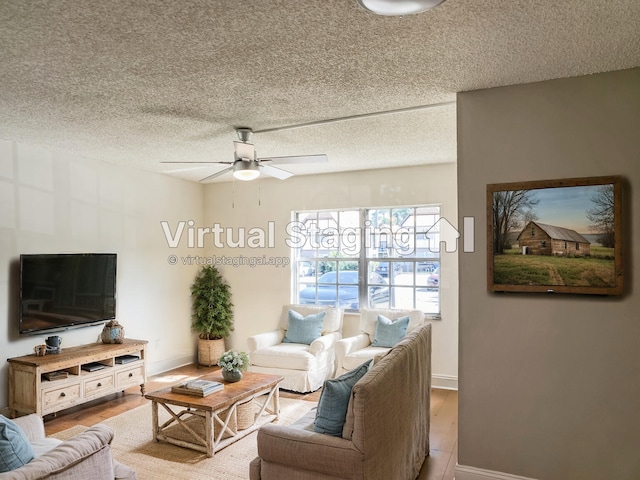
(157,368)
(464,472)
(445,382)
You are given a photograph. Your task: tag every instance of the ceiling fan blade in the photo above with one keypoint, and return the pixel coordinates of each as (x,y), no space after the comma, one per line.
(275,172)
(296,159)
(217,174)
(208,163)
(186,169)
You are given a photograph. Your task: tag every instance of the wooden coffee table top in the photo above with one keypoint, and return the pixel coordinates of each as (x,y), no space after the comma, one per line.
(250,384)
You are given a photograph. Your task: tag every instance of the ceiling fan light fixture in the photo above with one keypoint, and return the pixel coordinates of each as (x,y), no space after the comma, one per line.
(399,7)
(246,170)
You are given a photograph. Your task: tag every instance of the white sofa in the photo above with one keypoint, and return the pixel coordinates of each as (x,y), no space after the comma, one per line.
(353,351)
(304,367)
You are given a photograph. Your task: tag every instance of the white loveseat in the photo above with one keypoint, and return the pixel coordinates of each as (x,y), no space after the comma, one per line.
(353,351)
(304,367)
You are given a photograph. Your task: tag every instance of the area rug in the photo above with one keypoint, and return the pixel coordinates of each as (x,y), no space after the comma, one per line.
(133,445)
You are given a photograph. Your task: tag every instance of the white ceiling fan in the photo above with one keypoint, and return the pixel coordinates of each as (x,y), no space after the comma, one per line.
(247,166)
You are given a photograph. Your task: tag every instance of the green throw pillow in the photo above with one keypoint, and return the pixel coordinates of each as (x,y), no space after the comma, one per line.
(334,400)
(389,332)
(303,329)
(15,449)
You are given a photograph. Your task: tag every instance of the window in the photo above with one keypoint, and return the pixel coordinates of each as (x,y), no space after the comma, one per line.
(379,257)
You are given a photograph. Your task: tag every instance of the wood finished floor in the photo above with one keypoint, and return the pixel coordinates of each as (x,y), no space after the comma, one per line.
(439,465)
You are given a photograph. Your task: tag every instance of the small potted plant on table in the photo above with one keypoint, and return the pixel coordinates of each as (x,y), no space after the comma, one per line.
(233,363)
(212,316)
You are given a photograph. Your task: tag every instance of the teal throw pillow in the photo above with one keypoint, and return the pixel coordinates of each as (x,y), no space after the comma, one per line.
(334,401)
(389,332)
(304,329)
(15,449)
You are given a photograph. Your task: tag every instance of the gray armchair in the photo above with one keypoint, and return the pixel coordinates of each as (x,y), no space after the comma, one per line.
(85,456)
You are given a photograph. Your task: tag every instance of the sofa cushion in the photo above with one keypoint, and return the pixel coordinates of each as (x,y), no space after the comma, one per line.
(390,332)
(354,359)
(334,400)
(15,449)
(43,445)
(292,356)
(303,329)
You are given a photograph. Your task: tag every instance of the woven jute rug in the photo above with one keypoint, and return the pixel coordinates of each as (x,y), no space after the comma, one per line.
(133,445)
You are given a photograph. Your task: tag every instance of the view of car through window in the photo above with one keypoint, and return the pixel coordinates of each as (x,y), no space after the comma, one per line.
(397,247)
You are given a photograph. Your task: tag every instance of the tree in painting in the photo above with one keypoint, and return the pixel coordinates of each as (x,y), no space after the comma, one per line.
(602,215)
(510,209)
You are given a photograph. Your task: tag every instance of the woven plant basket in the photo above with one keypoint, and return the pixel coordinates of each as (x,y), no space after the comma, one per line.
(245,415)
(210,351)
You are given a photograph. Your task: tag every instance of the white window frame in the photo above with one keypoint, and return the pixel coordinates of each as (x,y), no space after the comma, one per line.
(309,262)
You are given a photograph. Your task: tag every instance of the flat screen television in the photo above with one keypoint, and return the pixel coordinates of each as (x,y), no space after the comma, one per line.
(62,291)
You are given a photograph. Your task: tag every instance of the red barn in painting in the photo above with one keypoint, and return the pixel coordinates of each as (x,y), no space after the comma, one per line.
(542,239)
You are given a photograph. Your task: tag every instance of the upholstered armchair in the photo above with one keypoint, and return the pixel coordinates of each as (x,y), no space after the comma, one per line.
(88,455)
(353,351)
(305,358)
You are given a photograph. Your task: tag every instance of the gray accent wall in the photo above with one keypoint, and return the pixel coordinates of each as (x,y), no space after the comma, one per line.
(549,384)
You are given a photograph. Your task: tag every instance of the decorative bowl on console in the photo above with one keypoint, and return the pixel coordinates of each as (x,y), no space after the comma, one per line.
(112,332)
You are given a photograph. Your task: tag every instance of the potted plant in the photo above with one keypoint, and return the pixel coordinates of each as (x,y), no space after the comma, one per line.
(233,363)
(212,316)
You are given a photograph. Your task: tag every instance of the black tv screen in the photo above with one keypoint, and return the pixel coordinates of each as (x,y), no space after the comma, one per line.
(61,291)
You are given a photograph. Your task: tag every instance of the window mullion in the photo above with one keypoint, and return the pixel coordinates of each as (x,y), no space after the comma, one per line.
(363,300)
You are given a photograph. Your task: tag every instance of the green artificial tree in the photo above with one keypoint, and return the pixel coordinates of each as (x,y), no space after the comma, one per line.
(212,317)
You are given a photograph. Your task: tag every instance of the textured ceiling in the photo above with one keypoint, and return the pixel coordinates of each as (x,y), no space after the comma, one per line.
(138,82)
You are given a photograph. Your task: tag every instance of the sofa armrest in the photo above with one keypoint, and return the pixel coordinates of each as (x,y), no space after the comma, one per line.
(325,342)
(87,455)
(266,339)
(32,425)
(301,449)
(349,345)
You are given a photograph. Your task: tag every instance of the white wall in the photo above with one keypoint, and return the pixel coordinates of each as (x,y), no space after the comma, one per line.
(260,292)
(549,384)
(51,202)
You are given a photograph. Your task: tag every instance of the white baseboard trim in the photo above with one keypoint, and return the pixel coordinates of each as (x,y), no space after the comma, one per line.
(464,472)
(446,382)
(157,368)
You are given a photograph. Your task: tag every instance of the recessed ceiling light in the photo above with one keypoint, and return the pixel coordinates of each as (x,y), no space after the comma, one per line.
(399,7)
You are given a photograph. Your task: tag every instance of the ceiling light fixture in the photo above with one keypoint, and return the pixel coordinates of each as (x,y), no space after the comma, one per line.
(246,170)
(399,7)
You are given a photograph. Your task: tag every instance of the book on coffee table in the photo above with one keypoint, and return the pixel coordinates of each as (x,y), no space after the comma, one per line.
(199,388)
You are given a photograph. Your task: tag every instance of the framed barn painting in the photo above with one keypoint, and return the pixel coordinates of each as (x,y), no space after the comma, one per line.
(556,236)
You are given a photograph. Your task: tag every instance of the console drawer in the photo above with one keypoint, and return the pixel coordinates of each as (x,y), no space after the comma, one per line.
(60,398)
(131,376)
(98,386)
